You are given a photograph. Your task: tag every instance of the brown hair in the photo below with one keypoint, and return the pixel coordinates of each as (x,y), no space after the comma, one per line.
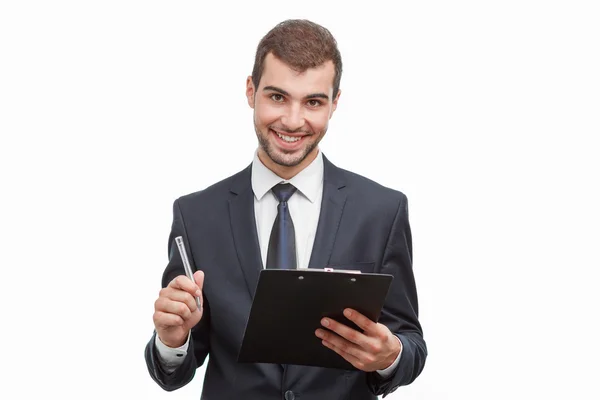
(301,44)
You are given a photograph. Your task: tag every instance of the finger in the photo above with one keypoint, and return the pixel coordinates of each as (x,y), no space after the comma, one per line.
(346,332)
(199,278)
(341,343)
(179,296)
(182,282)
(347,356)
(166,305)
(165,319)
(363,322)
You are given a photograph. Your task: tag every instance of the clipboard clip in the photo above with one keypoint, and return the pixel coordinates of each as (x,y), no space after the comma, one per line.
(329,269)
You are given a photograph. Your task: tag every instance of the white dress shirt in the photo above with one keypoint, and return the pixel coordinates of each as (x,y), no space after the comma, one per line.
(304,207)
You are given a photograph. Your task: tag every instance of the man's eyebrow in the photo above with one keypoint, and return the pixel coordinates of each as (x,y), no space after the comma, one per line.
(317,95)
(276,89)
(283,92)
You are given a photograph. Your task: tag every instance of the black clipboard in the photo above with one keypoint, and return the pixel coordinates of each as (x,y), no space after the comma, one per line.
(289,304)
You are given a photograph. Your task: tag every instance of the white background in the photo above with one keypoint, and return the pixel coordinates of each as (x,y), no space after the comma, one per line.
(486,114)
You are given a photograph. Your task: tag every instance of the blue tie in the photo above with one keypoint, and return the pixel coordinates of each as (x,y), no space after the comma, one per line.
(282,244)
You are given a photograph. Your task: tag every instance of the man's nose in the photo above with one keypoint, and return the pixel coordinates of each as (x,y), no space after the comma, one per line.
(293,118)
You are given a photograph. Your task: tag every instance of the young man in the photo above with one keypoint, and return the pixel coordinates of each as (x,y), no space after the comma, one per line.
(290,208)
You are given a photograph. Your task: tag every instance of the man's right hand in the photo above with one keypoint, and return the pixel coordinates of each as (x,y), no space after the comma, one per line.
(175,310)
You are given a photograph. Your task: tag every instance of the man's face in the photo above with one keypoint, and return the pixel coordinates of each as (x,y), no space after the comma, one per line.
(291,109)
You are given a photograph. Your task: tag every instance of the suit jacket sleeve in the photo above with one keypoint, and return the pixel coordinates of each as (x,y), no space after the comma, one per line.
(400,311)
(199,343)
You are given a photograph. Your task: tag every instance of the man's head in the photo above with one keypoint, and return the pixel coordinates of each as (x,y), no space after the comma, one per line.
(294,89)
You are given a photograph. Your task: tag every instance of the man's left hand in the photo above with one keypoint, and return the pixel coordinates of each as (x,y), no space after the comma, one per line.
(375,349)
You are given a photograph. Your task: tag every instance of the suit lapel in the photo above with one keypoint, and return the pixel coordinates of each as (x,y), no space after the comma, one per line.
(332,207)
(243,226)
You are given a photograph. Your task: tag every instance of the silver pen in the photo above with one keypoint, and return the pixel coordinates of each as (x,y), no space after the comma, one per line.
(186,265)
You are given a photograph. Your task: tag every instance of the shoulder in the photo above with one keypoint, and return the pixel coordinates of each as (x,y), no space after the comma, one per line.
(373,198)
(365,190)
(218,192)
(360,182)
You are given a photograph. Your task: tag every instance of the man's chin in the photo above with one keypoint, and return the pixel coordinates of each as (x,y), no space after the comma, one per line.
(287,158)
(287,161)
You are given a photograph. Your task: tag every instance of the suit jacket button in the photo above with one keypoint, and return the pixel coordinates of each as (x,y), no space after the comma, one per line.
(289,395)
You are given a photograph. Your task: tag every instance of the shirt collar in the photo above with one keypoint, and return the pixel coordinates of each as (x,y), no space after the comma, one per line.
(308,181)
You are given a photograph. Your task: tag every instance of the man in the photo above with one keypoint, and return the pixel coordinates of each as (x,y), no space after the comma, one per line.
(326,215)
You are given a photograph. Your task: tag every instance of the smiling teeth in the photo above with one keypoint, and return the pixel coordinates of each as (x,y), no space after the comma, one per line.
(288,139)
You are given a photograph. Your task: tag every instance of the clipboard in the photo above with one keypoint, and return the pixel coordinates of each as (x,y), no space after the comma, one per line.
(289,304)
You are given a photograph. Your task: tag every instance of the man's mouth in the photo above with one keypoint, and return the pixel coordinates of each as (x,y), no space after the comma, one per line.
(288,138)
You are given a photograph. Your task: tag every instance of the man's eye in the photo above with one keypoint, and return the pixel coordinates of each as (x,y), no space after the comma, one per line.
(314,103)
(277,97)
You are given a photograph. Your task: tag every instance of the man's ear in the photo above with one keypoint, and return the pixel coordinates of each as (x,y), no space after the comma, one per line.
(250,91)
(335,102)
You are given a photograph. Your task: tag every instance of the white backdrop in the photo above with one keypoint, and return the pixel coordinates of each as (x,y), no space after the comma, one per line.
(484,113)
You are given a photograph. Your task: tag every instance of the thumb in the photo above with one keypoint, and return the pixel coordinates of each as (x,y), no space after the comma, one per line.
(199,278)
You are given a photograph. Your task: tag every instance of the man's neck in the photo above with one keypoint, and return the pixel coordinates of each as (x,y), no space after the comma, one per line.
(283,171)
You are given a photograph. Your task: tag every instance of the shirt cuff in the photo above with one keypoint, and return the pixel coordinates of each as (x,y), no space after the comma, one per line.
(170,357)
(387,372)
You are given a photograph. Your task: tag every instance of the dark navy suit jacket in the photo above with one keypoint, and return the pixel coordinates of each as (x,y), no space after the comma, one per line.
(362,225)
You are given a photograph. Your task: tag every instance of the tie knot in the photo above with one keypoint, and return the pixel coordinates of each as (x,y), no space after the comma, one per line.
(283,191)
